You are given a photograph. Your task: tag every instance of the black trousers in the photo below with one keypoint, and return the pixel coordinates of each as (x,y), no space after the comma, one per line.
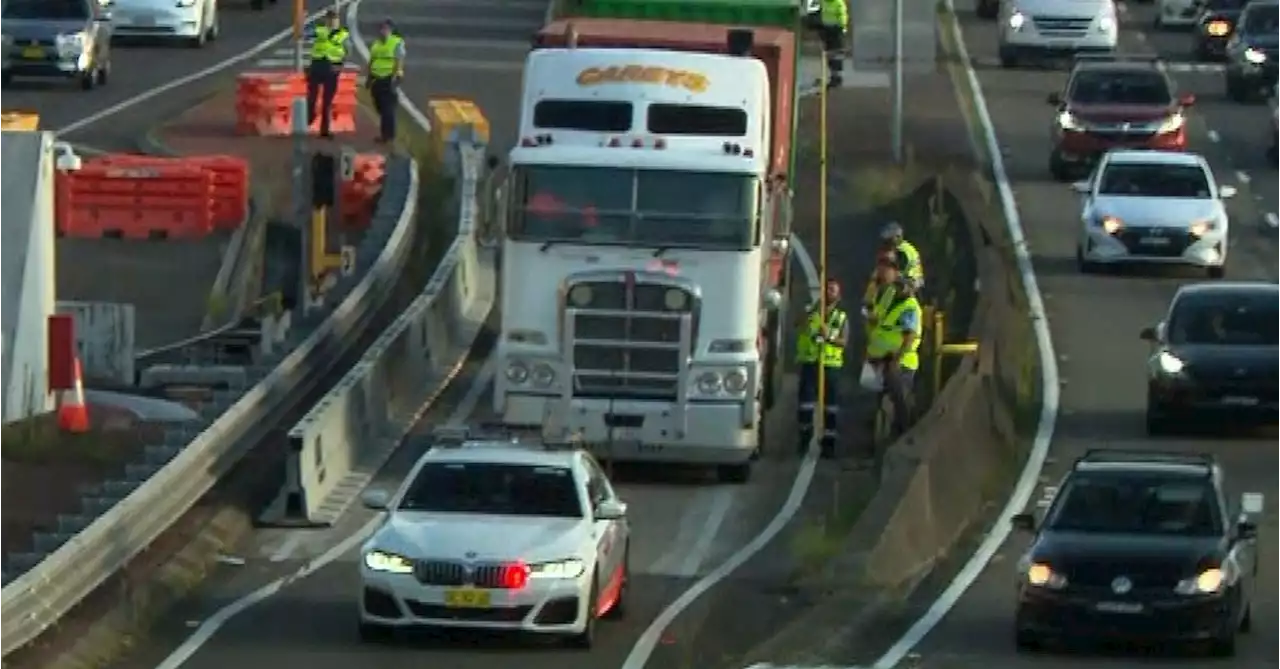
(833,45)
(808,403)
(322,86)
(899,384)
(383,92)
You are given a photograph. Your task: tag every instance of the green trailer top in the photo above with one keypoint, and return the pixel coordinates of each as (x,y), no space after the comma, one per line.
(776,13)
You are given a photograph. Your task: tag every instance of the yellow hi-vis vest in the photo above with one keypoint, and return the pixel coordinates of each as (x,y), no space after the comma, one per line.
(382,56)
(887,337)
(914,269)
(329,44)
(808,348)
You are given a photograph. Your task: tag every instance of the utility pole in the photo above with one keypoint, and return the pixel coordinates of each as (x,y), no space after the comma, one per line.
(897,81)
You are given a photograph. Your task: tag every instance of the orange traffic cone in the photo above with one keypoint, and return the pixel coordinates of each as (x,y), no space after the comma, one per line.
(73,413)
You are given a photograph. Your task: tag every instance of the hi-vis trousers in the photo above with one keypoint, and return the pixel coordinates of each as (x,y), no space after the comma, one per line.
(808,403)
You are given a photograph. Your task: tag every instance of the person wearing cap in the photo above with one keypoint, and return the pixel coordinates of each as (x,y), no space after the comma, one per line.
(894,345)
(892,239)
(383,76)
(821,344)
(880,289)
(328,50)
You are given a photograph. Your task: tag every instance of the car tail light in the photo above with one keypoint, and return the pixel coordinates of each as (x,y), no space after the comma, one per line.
(514,576)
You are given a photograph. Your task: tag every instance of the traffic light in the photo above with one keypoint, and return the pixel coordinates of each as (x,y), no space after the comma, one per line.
(324,180)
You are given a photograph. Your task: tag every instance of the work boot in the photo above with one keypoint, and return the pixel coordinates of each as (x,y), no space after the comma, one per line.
(836,81)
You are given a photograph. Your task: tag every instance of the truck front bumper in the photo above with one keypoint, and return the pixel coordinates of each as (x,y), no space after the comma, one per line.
(644,431)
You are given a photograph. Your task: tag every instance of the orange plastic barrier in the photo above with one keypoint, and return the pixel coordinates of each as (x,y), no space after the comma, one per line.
(230,181)
(135,202)
(264,103)
(360,193)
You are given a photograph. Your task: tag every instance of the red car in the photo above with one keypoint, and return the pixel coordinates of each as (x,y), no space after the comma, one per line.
(1112,102)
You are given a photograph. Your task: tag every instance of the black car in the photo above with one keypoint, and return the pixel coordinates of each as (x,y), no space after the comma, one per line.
(1215,356)
(1251,54)
(1139,547)
(1215,24)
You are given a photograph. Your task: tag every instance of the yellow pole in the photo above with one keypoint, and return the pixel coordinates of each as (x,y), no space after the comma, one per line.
(939,338)
(820,419)
(319,218)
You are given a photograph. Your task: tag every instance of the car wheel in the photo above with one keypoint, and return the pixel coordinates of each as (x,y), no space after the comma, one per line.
(587,637)
(1216,271)
(199,40)
(1157,422)
(1085,266)
(215,26)
(374,633)
(1058,167)
(1027,641)
(1008,59)
(619,610)
(739,473)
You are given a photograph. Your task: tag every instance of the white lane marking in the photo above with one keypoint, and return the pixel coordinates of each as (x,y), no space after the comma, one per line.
(1272,220)
(1242,177)
(184,80)
(694,517)
(721,501)
(1049,383)
(287,547)
(1213,136)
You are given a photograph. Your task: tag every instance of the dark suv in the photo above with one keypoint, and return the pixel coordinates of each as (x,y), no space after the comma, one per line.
(1114,102)
(1251,54)
(67,39)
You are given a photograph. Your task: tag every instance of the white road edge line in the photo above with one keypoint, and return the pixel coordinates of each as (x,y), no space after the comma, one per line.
(693,517)
(721,501)
(1030,475)
(287,547)
(186,79)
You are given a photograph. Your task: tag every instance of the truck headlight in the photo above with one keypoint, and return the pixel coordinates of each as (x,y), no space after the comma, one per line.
(1171,124)
(571,568)
(731,382)
(1255,56)
(388,562)
(543,375)
(1206,582)
(735,382)
(1017,20)
(709,383)
(580,295)
(1169,363)
(517,372)
(675,299)
(1106,24)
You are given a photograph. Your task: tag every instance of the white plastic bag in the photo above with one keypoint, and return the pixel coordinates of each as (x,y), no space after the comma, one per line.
(871,379)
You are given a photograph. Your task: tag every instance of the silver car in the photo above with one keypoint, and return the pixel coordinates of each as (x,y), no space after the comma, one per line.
(1158,207)
(60,39)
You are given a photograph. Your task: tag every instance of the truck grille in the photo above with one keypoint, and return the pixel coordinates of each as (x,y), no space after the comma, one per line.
(453,573)
(1061,26)
(626,340)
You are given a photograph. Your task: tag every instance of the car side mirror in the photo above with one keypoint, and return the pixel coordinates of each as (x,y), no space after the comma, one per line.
(1054,99)
(1081,187)
(1246,529)
(1024,522)
(1226,192)
(1148,334)
(375,498)
(1187,99)
(611,509)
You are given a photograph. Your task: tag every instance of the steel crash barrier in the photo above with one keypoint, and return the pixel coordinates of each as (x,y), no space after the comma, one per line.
(338,446)
(40,597)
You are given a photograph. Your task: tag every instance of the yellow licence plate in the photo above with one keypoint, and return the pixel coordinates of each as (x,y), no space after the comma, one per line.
(33,52)
(466,598)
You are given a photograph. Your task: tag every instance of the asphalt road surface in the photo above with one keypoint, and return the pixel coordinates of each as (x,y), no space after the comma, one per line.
(1095,322)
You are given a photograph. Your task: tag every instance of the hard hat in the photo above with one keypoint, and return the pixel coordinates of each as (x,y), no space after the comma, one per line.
(891,230)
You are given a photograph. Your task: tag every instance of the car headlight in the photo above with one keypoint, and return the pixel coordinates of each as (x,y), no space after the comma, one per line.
(1218,28)
(1106,24)
(1042,575)
(388,562)
(1111,224)
(1067,121)
(1202,228)
(517,372)
(1255,56)
(543,375)
(1207,582)
(72,42)
(1017,20)
(1172,123)
(570,568)
(709,383)
(1169,363)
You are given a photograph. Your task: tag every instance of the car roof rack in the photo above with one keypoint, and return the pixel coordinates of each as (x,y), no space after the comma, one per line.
(1119,455)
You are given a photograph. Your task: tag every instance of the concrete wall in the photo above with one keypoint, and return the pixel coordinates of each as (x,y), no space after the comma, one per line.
(104,339)
(29,284)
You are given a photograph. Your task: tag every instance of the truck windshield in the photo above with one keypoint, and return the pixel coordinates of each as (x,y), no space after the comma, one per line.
(601,205)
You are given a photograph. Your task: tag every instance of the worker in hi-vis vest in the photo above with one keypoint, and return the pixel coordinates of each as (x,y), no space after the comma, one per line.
(383,77)
(328,51)
(833,16)
(820,344)
(894,345)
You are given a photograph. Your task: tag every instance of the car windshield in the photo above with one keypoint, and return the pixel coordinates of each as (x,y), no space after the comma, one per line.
(45,9)
(600,205)
(493,489)
(1154,180)
(1226,320)
(1119,87)
(1130,503)
(1263,20)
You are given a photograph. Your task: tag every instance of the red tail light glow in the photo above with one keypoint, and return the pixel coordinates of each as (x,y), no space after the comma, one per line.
(514,576)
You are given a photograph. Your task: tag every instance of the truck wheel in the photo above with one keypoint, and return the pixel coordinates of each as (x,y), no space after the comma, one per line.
(739,473)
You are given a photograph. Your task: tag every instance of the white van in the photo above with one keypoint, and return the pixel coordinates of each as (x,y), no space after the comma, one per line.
(1049,28)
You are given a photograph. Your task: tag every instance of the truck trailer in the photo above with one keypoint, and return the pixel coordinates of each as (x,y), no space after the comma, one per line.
(646,255)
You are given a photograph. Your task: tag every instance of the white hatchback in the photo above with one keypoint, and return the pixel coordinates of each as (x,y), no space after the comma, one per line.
(192,21)
(1159,207)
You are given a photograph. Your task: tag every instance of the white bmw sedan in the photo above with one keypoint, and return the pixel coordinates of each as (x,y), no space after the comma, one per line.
(1159,207)
(500,536)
